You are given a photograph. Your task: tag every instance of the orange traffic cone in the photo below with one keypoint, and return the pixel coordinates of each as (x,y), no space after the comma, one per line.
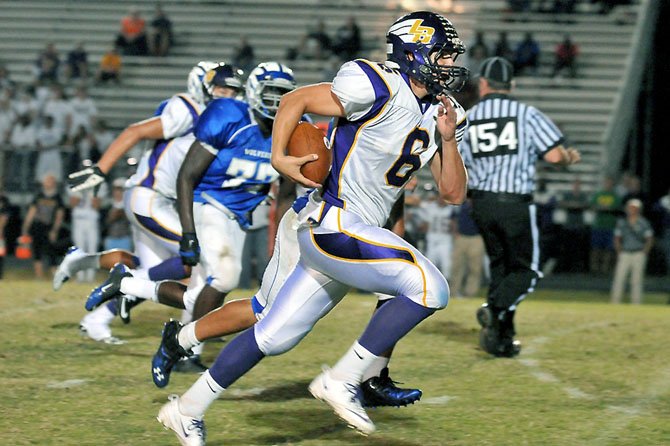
(23,251)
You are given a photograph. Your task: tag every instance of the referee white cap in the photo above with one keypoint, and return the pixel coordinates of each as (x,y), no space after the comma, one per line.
(497,69)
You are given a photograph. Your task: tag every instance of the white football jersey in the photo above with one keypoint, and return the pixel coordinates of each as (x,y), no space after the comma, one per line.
(436,216)
(370,168)
(178,117)
(158,168)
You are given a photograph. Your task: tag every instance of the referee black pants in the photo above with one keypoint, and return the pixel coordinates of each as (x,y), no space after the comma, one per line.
(508,224)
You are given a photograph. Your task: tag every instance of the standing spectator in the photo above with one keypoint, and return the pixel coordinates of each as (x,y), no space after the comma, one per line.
(117,224)
(605,203)
(575,233)
(47,64)
(85,147)
(527,56)
(347,42)
(58,108)
(43,223)
(566,57)
(85,207)
(502,47)
(48,142)
(255,252)
(76,65)
(436,215)
(468,256)
(83,109)
(110,67)
(160,33)
(4,219)
(633,238)
(132,38)
(243,55)
(500,150)
(662,208)
(23,144)
(26,103)
(316,44)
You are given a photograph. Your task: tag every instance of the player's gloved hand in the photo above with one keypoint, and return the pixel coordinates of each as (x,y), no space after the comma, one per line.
(86,178)
(189,249)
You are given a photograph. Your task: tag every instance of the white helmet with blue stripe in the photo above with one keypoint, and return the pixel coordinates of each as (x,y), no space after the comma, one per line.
(195,80)
(266,84)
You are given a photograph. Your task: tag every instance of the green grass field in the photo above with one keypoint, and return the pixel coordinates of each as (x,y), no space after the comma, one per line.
(589,374)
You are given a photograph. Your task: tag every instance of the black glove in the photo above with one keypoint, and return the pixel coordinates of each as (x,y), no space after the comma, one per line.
(189,249)
(88,178)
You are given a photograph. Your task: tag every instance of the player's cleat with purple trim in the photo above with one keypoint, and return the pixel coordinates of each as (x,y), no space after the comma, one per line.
(109,289)
(382,391)
(189,430)
(168,354)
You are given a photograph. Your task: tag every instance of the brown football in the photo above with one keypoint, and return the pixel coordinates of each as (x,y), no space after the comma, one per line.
(308,138)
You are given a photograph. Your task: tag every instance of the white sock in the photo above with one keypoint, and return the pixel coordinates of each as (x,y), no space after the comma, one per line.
(87,262)
(197,349)
(142,288)
(186,317)
(187,337)
(140,273)
(200,396)
(353,364)
(101,315)
(376,367)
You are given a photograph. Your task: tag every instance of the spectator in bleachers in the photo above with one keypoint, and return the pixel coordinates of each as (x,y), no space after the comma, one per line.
(132,38)
(76,65)
(7,117)
(160,33)
(662,209)
(243,55)
(22,143)
(519,5)
(605,203)
(502,47)
(26,103)
(347,42)
(527,56)
(477,51)
(58,107)
(4,219)
(47,64)
(85,147)
(468,256)
(85,212)
(48,141)
(6,82)
(633,239)
(566,57)
(118,226)
(83,109)
(316,44)
(110,67)
(575,233)
(43,223)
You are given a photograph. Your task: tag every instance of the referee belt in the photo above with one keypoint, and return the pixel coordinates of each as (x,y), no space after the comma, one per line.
(504,197)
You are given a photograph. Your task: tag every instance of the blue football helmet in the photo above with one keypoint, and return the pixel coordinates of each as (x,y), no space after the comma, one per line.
(416,41)
(266,84)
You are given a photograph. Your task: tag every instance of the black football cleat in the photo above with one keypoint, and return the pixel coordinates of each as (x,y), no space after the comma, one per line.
(168,354)
(192,364)
(382,391)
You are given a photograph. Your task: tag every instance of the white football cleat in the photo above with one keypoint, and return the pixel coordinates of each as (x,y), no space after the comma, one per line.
(190,431)
(67,267)
(95,325)
(344,398)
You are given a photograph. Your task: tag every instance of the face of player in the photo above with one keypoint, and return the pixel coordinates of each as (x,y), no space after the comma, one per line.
(440,59)
(224,92)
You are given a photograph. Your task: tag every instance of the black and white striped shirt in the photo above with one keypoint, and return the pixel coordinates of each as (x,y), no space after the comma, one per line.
(503,142)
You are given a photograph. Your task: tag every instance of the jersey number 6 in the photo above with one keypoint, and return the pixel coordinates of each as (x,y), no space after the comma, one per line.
(408,162)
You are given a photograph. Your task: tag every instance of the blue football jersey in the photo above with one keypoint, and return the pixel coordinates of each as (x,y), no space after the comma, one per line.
(239,177)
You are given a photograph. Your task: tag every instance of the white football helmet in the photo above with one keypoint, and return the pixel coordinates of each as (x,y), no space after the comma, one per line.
(195,78)
(266,84)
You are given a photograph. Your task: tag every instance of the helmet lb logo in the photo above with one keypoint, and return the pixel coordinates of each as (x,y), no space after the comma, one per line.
(421,34)
(209,76)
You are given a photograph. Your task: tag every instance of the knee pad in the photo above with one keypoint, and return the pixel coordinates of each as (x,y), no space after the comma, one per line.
(273,343)
(437,294)
(225,283)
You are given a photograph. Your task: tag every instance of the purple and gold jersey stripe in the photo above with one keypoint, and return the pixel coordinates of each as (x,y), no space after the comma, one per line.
(345,247)
(156,228)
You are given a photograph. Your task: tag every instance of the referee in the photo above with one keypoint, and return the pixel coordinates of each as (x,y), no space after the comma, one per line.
(504,140)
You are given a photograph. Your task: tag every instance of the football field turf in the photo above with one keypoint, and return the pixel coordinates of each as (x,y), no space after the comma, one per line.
(589,374)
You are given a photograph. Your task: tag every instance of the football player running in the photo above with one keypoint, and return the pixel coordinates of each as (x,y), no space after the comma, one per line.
(388,117)
(150,195)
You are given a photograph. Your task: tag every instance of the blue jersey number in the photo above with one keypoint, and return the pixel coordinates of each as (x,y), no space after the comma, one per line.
(408,162)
